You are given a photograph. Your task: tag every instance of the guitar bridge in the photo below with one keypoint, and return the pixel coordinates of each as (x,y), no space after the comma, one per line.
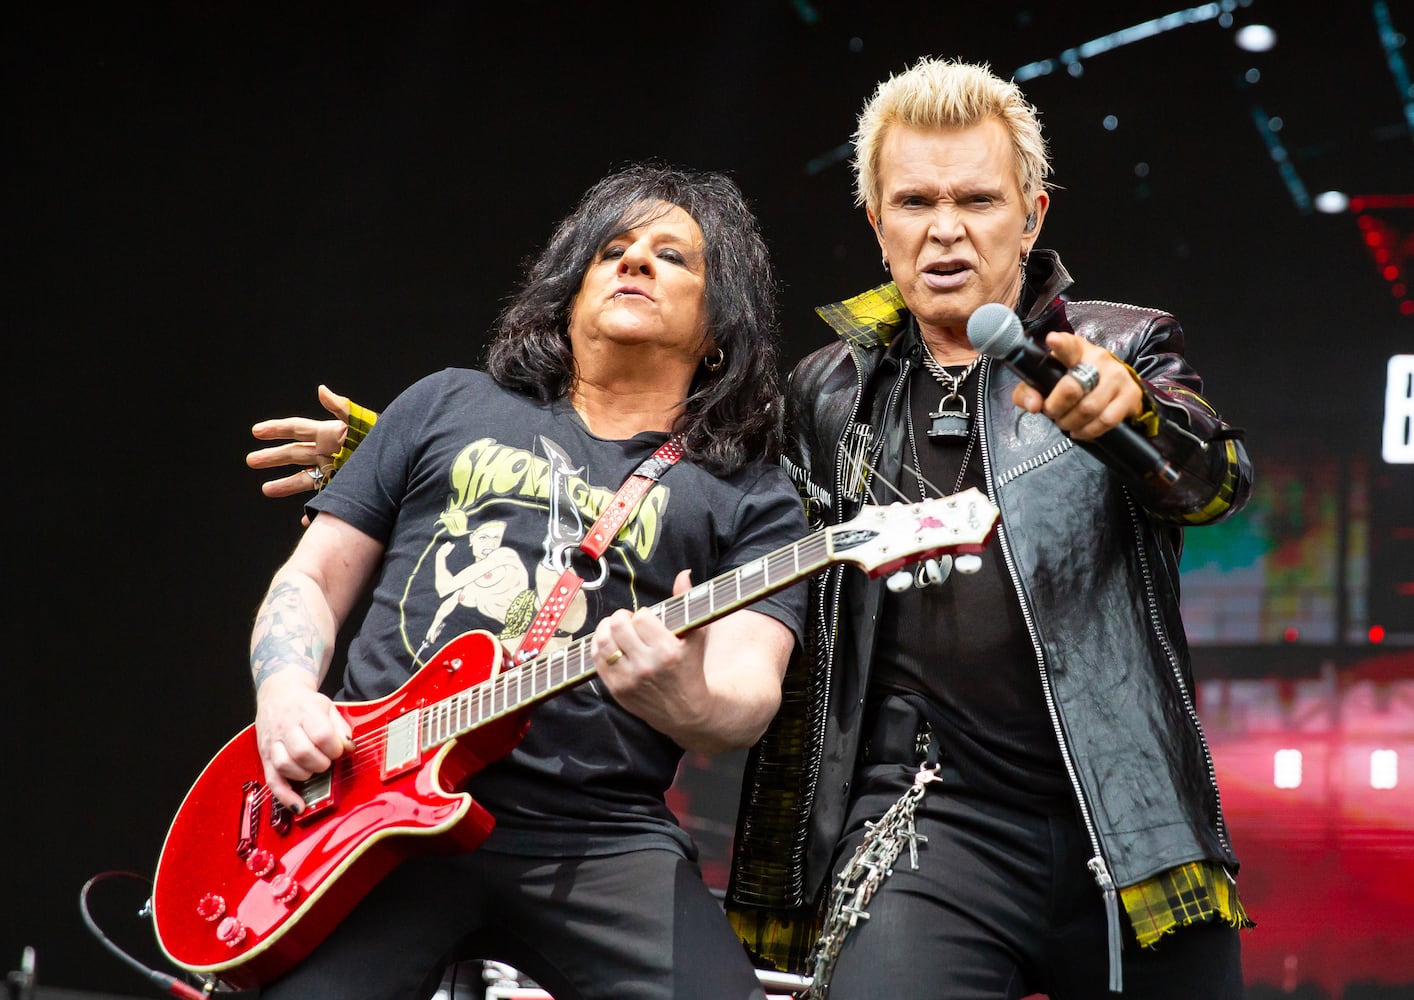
(250,819)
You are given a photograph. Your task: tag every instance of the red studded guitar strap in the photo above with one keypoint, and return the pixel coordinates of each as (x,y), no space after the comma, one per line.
(596,540)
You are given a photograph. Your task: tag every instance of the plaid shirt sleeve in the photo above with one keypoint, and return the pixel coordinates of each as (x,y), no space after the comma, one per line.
(361,421)
(1189,894)
(869,318)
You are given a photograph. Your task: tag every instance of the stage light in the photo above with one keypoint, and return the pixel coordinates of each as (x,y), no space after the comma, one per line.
(1256,38)
(1332,202)
(1384,769)
(1286,769)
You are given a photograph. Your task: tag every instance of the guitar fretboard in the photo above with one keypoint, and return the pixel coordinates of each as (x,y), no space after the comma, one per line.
(515,687)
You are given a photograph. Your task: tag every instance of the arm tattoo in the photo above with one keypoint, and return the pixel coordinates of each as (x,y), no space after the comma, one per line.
(285,635)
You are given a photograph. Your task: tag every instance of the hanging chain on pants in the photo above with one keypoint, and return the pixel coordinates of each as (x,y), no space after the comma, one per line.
(857,882)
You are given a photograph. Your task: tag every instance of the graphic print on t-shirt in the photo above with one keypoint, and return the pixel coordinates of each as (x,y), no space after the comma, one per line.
(492,583)
(473,569)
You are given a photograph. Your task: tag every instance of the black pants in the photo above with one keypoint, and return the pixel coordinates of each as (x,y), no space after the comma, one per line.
(1003,906)
(636,926)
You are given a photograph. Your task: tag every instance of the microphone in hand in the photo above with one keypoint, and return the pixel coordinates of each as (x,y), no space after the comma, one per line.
(995,331)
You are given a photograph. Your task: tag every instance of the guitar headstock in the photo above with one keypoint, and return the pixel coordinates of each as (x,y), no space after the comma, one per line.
(879,539)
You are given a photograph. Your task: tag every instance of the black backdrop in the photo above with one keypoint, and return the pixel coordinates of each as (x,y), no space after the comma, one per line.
(210,208)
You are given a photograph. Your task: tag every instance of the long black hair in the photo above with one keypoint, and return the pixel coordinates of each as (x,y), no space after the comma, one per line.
(732,414)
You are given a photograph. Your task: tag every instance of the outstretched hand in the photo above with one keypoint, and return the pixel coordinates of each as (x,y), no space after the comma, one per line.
(1082,414)
(308,443)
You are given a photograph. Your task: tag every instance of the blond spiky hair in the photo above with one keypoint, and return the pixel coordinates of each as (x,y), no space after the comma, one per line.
(947,93)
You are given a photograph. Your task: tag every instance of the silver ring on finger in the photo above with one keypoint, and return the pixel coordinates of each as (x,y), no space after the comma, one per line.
(1086,374)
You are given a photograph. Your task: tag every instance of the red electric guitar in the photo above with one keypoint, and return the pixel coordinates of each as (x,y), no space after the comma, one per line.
(245,888)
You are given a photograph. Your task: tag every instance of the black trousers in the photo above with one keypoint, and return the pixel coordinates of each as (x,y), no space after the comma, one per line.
(636,926)
(1002,906)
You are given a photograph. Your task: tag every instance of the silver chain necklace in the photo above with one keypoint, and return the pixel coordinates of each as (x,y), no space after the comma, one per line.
(913,446)
(951,420)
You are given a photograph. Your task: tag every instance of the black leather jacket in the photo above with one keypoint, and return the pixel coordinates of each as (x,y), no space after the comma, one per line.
(1094,559)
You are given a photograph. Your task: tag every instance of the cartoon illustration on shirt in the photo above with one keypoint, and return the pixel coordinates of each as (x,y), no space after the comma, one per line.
(490,583)
(494,581)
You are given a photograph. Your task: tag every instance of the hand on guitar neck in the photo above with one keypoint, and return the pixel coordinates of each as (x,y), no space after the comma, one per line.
(660,676)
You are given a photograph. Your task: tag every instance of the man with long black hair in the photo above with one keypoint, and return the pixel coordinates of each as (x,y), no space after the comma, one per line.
(641,345)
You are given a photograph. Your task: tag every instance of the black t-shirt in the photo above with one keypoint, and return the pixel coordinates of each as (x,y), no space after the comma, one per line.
(473,489)
(964,643)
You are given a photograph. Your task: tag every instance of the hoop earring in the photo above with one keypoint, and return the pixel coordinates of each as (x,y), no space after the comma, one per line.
(886,263)
(710,364)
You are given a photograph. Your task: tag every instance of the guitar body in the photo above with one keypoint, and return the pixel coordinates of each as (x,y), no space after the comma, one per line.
(246,889)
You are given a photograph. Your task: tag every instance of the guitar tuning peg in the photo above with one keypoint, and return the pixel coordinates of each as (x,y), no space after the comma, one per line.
(934,571)
(900,581)
(968,563)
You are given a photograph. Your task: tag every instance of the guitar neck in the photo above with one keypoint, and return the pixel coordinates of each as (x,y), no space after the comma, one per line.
(879,539)
(517,687)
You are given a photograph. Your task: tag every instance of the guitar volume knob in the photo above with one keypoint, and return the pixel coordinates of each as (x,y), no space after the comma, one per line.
(211,907)
(284,889)
(230,932)
(260,862)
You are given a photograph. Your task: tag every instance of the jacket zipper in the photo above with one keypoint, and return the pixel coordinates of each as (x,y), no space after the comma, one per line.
(829,609)
(832,607)
(1097,864)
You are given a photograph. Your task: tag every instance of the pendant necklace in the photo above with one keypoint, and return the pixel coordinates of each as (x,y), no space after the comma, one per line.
(936,571)
(951,420)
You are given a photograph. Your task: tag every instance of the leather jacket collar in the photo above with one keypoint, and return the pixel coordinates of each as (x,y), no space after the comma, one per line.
(874,318)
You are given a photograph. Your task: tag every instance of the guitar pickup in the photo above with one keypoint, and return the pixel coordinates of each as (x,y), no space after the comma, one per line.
(402,752)
(317,791)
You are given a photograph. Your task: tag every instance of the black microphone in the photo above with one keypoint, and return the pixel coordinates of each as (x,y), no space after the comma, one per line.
(996,331)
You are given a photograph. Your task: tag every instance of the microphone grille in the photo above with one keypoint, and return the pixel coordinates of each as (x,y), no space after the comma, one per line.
(994,329)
